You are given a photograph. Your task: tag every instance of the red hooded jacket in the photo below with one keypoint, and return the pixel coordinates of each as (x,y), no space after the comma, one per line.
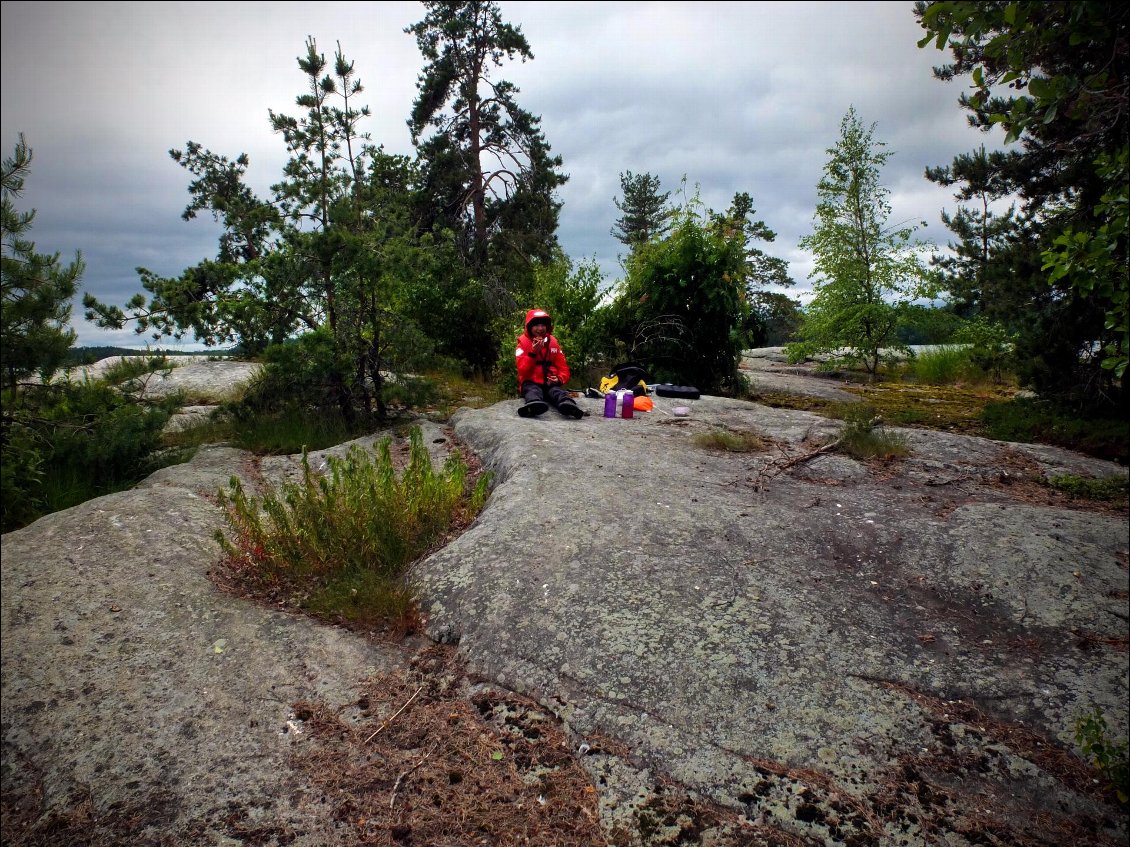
(538,364)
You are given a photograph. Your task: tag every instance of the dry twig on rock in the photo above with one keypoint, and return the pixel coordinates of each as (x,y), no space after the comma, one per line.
(777,467)
(393,717)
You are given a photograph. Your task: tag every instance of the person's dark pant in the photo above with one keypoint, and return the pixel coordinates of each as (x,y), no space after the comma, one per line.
(555,395)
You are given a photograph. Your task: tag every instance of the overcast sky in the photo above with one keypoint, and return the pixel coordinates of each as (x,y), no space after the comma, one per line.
(733,96)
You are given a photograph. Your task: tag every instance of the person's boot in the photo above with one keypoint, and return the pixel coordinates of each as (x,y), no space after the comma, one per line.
(532,408)
(570,409)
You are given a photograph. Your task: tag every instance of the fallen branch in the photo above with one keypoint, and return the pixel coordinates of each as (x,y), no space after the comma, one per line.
(382,727)
(777,467)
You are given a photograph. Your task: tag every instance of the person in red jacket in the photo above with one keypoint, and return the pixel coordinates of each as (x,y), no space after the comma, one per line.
(542,369)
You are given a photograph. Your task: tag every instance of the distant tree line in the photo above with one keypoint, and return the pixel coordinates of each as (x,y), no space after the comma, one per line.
(90,354)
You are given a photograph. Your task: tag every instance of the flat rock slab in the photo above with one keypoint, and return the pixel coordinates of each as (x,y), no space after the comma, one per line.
(838,651)
(213,380)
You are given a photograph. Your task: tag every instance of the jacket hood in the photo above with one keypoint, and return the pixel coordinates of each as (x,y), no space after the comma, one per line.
(538,314)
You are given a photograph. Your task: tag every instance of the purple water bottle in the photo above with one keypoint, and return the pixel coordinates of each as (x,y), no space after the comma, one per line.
(629,405)
(610,405)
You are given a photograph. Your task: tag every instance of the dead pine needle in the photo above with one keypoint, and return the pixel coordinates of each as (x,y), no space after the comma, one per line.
(399,779)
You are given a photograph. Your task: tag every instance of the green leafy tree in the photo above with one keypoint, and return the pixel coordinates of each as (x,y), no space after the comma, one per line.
(866,269)
(683,310)
(489,170)
(35,332)
(1053,76)
(331,253)
(644,212)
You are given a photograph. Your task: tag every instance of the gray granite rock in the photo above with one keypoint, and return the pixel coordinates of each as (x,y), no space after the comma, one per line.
(735,628)
(788,642)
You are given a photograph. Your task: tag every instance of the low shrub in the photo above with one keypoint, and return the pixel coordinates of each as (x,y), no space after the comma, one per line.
(863,437)
(1107,489)
(340,542)
(1031,420)
(991,346)
(1109,757)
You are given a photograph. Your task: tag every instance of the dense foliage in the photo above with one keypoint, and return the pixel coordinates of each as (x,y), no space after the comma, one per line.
(1053,76)
(66,441)
(684,309)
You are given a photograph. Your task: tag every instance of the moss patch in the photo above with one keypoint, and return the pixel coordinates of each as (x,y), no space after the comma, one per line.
(942,407)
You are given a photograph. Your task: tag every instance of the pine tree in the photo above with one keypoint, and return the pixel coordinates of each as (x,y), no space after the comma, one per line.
(327,258)
(35,336)
(486,156)
(644,212)
(984,267)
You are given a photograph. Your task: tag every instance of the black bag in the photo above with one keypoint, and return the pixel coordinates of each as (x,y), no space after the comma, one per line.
(628,376)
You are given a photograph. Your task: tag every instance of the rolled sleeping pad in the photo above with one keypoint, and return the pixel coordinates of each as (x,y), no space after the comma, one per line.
(682,392)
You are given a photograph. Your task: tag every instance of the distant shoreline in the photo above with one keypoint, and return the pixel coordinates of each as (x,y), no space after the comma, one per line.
(90,354)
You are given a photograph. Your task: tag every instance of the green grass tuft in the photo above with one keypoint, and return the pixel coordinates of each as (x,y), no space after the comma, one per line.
(339,543)
(862,436)
(944,366)
(731,441)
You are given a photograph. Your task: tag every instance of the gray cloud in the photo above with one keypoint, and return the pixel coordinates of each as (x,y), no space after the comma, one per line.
(733,96)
